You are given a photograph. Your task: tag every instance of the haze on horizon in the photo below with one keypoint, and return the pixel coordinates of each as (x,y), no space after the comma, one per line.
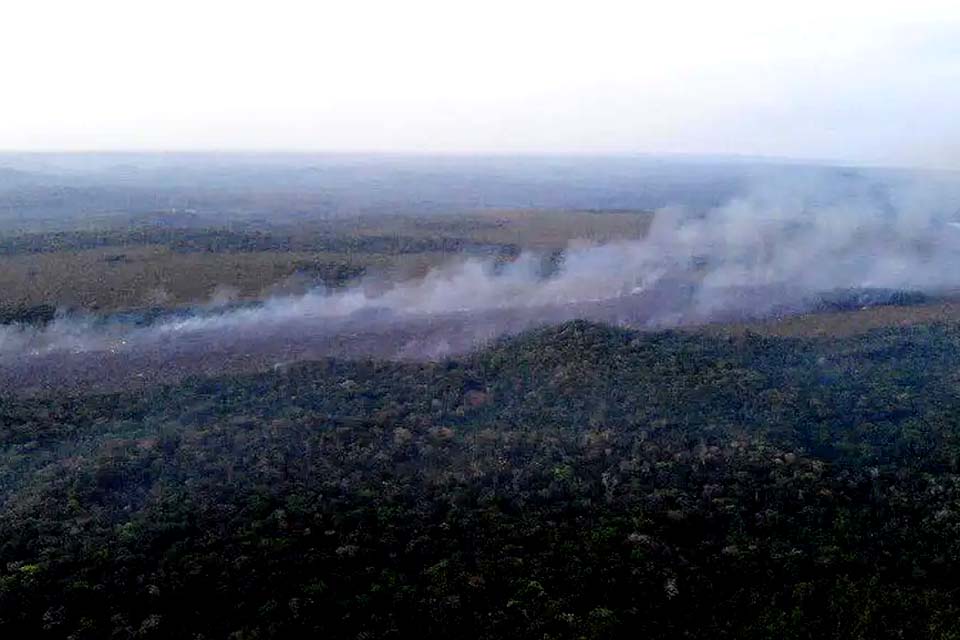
(855,82)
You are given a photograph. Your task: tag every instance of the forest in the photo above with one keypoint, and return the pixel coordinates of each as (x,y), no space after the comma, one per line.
(577,481)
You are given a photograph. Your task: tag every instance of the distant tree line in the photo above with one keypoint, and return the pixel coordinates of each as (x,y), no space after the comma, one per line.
(217,240)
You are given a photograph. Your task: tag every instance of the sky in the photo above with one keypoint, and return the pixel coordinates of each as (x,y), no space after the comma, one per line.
(873,82)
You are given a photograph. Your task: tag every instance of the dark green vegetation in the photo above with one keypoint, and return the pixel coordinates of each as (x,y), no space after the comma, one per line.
(577,482)
(36,315)
(216,240)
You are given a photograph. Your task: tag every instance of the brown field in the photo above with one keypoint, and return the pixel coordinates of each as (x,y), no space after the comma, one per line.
(135,276)
(844,323)
(531,229)
(117,278)
(124,277)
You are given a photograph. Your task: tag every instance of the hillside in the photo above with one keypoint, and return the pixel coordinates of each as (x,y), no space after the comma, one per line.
(575,482)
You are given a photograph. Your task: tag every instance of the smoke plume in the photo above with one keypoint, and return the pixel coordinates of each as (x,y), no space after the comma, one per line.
(774,250)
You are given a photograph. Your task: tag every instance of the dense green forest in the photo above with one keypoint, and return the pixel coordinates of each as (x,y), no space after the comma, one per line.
(576,482)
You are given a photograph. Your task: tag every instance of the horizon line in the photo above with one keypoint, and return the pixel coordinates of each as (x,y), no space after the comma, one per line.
(464,154)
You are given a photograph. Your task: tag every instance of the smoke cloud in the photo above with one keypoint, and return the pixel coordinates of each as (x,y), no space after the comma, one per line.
(772,251)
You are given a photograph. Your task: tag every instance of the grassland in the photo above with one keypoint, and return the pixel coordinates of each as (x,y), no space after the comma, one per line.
(846,323)
(113,269)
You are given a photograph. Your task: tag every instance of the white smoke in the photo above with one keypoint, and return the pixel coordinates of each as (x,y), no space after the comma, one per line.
(782,242)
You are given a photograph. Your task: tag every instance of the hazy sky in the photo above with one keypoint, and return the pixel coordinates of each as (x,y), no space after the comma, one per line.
(874,81)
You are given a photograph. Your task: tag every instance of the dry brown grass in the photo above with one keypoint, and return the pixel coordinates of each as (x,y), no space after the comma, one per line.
(546,230)
(845,323)
(128,277)
(532,229)
(133,277)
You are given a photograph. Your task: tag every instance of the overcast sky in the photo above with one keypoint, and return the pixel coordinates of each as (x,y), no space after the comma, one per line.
(871,82)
